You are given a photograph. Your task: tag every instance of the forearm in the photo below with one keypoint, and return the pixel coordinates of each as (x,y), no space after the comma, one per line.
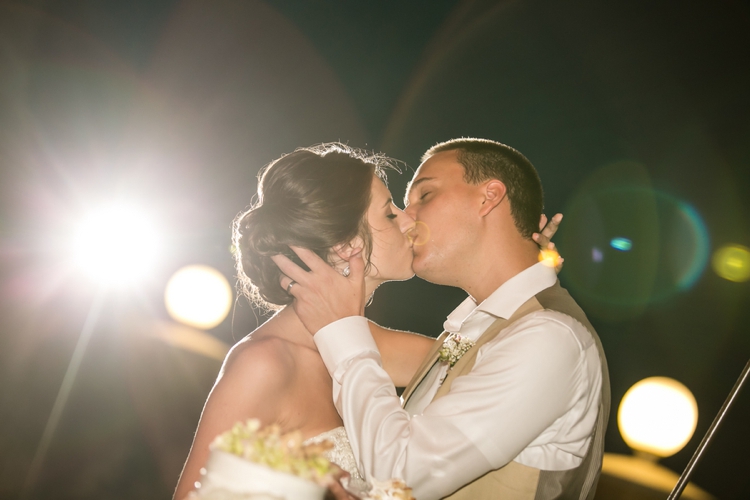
(401,352)
(386,440)
(431,455)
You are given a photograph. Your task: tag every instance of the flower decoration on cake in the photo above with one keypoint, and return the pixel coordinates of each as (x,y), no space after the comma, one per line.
(393,489)
(454,347)
(250,462)
(282,452)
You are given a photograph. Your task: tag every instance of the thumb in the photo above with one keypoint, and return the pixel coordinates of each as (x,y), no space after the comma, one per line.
(357,266)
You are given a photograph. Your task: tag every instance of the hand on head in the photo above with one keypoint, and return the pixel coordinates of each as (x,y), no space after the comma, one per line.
(322,295)
(544,237)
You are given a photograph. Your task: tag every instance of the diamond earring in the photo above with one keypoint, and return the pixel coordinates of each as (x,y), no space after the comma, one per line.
(346,271)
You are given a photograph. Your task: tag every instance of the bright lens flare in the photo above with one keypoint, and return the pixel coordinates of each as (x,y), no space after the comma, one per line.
(621,244)
(199,296)
(116,245)
(658,415)
(549,257)
(419,234)
(732,263)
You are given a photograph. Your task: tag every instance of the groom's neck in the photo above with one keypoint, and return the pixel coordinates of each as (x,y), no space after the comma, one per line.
(496,264)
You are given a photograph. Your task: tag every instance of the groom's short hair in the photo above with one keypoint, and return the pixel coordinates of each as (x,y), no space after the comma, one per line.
(483,160)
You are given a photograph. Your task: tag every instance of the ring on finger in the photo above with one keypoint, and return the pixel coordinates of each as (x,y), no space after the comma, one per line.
(289,287)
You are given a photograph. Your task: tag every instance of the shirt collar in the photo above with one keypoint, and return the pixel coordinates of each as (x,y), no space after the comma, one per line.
(504,301)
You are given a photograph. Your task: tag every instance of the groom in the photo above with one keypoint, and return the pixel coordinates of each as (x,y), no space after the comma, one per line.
(522,413)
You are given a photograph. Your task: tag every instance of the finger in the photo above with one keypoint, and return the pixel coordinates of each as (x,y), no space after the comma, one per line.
(551,228)
(284,281)
(313,261)
(289,268)
(356,266)
(559,265)
(541,239)
(338,491)
(542,222)
(335,484)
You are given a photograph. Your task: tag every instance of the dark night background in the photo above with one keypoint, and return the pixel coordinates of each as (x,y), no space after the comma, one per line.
(636,114)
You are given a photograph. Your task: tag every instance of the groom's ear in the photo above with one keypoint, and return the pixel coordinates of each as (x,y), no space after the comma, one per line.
(494,192)
(346,250)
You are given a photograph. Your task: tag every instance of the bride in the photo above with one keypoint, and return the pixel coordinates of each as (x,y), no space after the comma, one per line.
(331,199)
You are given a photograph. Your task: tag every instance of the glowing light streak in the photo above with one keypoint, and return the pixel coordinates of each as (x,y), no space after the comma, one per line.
(62,396)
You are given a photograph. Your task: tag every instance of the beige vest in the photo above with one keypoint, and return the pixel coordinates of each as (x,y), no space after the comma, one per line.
(515,481)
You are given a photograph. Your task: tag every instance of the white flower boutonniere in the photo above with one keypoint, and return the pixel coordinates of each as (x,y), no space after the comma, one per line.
(454,346)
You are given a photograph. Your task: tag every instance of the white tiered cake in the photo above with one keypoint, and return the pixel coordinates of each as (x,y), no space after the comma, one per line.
(229,477)
(250,463)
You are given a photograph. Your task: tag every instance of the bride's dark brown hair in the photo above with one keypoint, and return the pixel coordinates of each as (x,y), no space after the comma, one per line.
(314,198)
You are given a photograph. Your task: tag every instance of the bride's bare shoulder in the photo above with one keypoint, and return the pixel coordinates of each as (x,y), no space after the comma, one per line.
(259,358)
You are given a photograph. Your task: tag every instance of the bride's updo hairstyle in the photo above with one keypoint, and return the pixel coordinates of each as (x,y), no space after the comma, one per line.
(315,198)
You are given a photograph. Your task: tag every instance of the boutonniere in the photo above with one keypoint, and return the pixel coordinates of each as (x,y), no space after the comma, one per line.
(454,346)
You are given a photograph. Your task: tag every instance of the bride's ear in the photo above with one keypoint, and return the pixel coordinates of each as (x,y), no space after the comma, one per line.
(346,250)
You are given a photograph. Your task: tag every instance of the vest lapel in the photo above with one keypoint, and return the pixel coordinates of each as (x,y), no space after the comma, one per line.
(424,368)
(466,363)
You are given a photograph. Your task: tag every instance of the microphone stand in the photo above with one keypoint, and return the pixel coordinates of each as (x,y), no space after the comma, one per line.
(682,482)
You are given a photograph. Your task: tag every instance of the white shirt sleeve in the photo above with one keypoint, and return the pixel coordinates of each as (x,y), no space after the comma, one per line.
(519,386)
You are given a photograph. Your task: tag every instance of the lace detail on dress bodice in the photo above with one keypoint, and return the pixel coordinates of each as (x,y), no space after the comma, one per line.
(341,454)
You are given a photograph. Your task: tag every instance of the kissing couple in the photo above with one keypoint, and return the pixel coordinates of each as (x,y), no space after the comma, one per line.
(510,402)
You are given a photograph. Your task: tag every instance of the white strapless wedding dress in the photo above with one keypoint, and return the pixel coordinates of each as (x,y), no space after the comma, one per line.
(342,455)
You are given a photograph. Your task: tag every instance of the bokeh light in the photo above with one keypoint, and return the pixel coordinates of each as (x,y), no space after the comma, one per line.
(732,262)
(628,245)
(116,245)
(199,296)
(657,415)
(621,244)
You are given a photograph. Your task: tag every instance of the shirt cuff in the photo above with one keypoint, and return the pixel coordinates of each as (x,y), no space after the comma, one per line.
(344,340)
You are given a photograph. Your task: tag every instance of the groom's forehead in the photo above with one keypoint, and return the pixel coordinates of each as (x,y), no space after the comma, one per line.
(441,166)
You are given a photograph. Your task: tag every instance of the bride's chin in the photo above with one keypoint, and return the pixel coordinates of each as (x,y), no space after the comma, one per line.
(372,284)
(406,275)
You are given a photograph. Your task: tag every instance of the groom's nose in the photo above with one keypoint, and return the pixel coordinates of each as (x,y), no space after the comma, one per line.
(406,221)
(410,211)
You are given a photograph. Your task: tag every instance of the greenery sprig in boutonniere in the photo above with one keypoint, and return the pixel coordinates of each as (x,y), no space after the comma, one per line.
(454,346)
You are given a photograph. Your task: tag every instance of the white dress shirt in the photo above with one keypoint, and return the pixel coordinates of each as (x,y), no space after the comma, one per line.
(532,396)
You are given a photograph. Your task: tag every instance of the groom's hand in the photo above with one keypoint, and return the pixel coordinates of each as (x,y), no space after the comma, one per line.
(543,238)
(336,490)
(547,230)
(322,295)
